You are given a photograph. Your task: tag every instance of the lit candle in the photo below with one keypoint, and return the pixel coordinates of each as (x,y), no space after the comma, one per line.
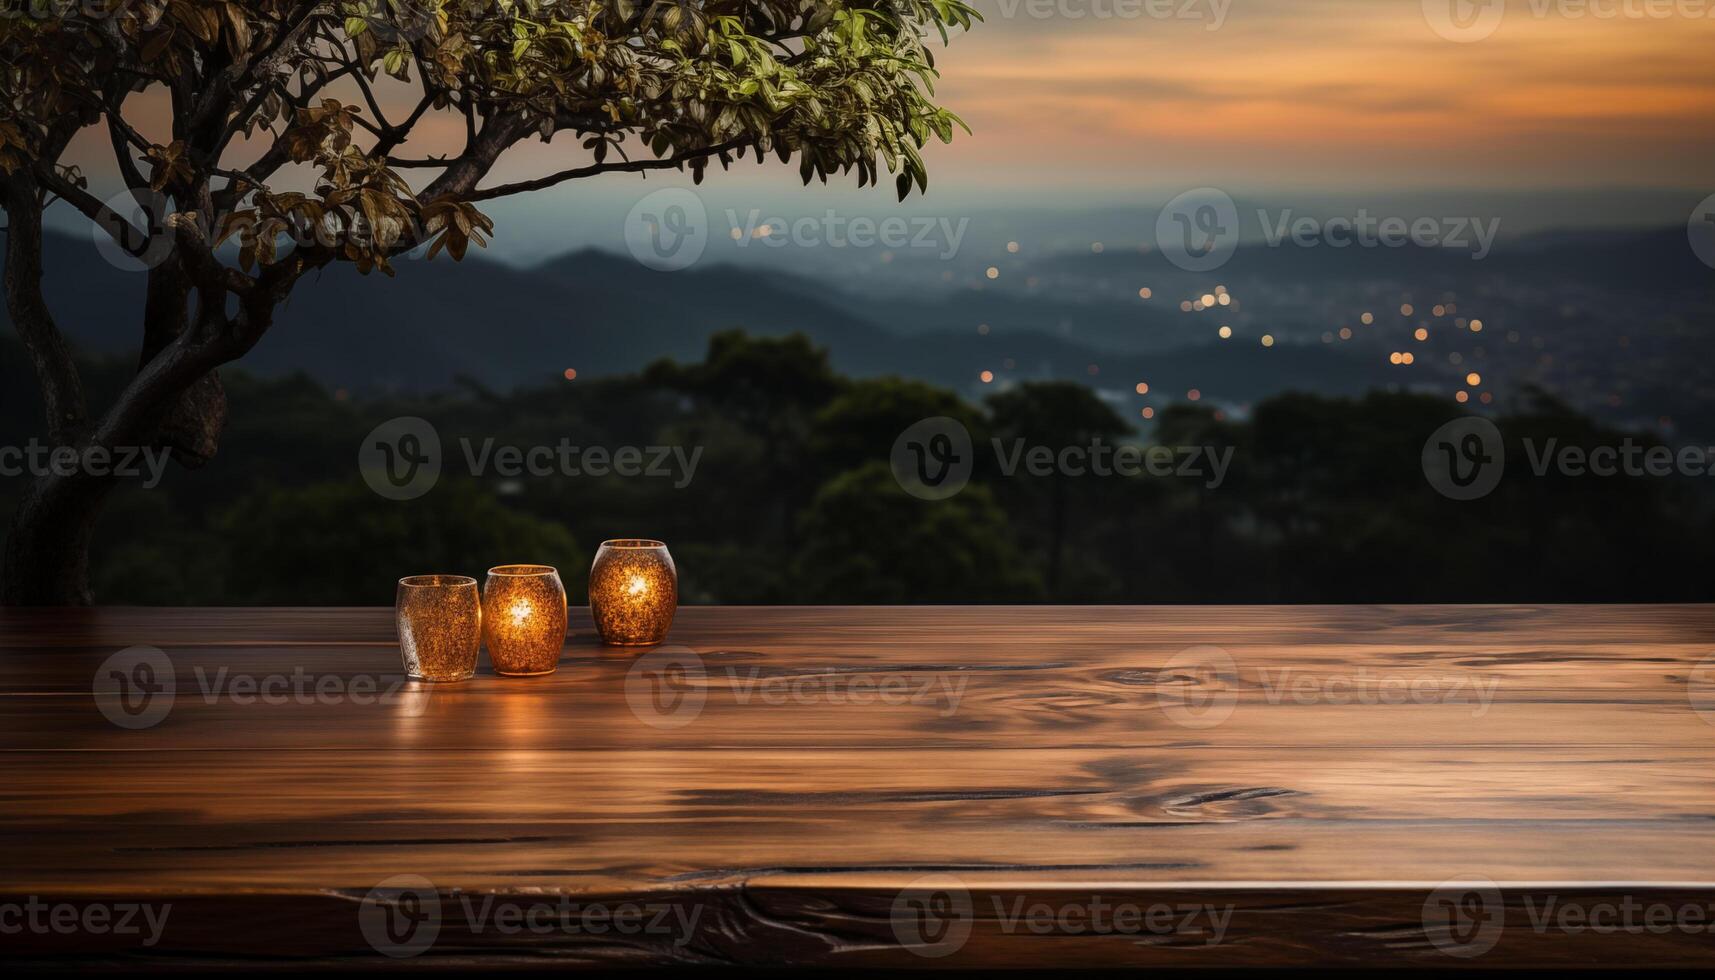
(634,591)
(439,618)
(524,619)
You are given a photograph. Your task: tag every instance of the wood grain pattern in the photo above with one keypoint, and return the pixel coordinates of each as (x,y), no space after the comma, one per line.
(820,785)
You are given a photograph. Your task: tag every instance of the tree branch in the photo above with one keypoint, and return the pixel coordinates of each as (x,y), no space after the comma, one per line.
(462,175)
(628,166)
(104,217)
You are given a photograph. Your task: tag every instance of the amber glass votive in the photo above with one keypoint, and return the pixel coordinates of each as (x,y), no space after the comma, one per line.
(524,619)
(440,626)
(634,590)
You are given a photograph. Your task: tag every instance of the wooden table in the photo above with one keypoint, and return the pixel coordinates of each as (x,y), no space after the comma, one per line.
(1161,787)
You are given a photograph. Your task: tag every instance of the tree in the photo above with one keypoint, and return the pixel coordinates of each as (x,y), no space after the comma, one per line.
(1055,414)
(285,141)
(862,423)
(867,540)
(772,387)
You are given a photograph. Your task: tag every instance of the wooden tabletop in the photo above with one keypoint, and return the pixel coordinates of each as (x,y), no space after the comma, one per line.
(971,786)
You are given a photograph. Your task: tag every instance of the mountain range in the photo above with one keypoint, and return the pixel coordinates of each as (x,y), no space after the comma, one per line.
(600,314)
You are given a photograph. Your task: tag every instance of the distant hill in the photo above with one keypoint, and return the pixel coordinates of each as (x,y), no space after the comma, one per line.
(1623,261)
(591,311)
(605,314)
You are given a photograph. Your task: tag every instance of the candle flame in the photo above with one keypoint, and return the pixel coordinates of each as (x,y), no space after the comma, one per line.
(520,611)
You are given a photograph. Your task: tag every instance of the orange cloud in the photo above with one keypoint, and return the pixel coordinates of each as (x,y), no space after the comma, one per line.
(1338,91)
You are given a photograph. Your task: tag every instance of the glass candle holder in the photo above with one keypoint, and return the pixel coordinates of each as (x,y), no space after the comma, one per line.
(524,619)
(440,626)
(634,590)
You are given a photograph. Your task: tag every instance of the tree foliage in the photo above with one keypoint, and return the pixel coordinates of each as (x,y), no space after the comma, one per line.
(842,86)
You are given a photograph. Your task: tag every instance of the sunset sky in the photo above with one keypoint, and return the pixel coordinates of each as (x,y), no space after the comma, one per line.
(1258,97)
(1333,93)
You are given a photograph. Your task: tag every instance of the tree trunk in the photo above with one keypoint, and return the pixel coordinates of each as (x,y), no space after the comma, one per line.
(46,560)
(46,556)
(174,404)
